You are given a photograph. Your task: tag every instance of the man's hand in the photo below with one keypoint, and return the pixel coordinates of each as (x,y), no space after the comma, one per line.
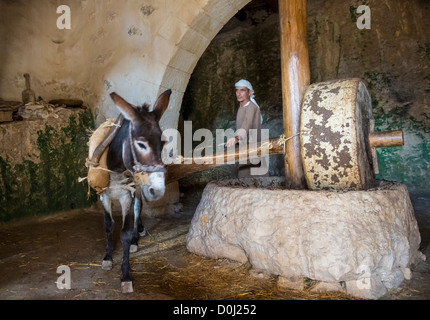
(231,142)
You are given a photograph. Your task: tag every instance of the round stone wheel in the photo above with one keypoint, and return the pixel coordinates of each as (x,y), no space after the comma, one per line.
(335,126)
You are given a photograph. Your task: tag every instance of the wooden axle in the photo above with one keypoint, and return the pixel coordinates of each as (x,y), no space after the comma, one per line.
(386,139)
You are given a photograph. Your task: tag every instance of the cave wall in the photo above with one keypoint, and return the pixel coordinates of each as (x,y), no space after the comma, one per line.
(392,57)
(135,48)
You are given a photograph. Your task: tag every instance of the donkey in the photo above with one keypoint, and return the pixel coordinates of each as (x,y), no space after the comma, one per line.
(134,152)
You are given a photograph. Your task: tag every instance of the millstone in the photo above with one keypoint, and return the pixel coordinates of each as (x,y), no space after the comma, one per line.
(335,120)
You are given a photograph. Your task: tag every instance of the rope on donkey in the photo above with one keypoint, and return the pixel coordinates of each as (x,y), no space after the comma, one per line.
(282,141)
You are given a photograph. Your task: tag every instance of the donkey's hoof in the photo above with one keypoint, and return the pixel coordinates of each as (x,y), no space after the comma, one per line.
(143,232)
(107,265)
(127,287)
(133,248)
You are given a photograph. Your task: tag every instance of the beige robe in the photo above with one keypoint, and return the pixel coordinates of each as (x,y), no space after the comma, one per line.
(248,117)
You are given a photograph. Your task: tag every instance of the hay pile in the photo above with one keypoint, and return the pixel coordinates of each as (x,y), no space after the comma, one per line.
(169,269)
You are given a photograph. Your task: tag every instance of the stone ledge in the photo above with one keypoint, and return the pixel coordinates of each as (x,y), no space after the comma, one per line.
(19,138)
(366,239)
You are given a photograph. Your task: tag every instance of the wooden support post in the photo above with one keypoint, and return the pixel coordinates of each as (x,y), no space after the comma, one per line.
(295,80)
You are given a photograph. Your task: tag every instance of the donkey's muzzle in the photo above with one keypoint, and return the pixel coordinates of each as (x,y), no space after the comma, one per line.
(156,187)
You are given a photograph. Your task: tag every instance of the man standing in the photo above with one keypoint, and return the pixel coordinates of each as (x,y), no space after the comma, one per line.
(248,117)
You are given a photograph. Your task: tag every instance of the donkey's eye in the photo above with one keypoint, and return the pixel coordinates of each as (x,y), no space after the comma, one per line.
(141,145)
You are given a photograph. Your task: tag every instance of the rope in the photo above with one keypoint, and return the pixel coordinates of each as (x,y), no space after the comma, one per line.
(129,186)
(282,140)
(107,124)
(144,168)
(110,123)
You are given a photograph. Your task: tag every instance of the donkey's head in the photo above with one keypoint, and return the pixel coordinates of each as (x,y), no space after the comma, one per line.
(142,145)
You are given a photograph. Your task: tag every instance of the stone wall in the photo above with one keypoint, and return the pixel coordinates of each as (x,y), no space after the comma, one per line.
(41,161)
(393,58)
(135,48)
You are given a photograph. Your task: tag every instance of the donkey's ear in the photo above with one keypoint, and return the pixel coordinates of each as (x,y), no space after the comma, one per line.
(126,109)
(161,104)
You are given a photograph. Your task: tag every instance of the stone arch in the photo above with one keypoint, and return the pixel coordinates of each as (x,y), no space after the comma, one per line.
(190,47)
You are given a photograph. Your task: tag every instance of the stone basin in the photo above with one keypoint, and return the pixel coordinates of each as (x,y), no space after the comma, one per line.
(363,243)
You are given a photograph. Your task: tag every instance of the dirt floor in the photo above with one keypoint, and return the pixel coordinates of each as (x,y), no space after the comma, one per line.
(31,251)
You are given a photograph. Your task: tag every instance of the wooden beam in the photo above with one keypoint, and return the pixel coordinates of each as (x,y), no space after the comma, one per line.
(295,80)
(188,166)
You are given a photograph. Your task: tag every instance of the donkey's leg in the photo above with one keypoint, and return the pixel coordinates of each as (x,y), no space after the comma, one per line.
(126,238)
(109,226)
(137,209)
(141,228)
(137,221)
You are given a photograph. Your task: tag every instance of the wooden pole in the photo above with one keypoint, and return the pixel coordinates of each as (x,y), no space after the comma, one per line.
(187,166)
(386,139)
(295,80)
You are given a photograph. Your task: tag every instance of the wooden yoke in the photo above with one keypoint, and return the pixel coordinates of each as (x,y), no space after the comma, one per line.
(295,80)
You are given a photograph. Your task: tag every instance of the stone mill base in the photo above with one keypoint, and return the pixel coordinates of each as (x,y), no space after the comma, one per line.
(359,242)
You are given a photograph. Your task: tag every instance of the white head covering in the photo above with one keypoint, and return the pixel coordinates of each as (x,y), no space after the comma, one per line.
(247,84)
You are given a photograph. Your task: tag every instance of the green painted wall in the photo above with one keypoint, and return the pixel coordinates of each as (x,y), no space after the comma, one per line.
(409,164)
(49,184)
